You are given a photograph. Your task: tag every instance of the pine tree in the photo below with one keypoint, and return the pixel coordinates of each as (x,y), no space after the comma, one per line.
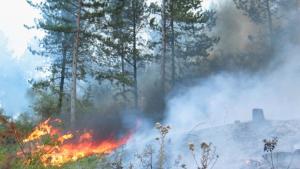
(123,44)
(71,35)
(57,23)
(74,65)
(185,33)
(164,46)
(88,12)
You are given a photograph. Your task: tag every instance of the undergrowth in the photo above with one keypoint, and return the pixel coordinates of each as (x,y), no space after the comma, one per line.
(154,156)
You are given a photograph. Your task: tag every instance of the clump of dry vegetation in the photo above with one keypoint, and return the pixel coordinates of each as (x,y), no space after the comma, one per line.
(269,147)
(274,159)
(208,156)
(163,130)
(146,157)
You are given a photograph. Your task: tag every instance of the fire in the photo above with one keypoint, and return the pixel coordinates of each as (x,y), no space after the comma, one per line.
(41,130)
(68,146)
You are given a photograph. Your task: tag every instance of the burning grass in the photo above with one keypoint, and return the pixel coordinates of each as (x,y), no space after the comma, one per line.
(49,146)
(56,147)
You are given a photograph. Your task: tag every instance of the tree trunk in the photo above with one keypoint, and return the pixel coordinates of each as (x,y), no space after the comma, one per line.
(62,78)
(173,44)
(123,71)
(135,55)
(164,47)
(74,67)
(270,22)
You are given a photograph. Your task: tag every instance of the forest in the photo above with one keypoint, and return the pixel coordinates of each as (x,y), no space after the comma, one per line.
(159,84)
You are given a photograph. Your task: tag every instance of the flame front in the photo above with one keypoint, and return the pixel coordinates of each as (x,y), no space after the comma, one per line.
(70,146)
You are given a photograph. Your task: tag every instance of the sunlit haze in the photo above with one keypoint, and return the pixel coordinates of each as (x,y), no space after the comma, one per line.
(14,14)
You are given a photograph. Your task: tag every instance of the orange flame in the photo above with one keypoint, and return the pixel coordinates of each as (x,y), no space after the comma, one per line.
(69,147)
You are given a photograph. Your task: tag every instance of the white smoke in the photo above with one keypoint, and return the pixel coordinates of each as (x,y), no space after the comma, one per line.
(205,112)
(14,77)
(223,98)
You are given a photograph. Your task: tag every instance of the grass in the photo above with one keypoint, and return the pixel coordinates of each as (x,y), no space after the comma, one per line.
(9,160)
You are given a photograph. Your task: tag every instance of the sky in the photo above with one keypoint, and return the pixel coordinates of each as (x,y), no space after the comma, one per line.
(13,15)
(17,65)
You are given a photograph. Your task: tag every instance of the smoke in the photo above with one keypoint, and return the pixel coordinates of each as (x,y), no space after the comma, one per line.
(233,28)
(12,82)
(195,113)
(224,97)
(15,73)
(209,109)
